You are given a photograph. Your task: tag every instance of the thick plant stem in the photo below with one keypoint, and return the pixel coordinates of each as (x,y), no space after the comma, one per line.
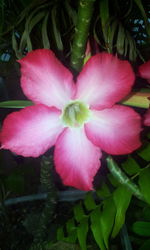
(81,33)
(123,178)
(46,216)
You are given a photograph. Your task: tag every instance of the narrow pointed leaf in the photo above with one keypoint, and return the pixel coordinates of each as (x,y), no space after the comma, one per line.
(96,228)
(45,39)
(82,231)
(56,31)
(122,197)
(15,104)
(130,166)
(89,202)
(144,183)
(107,219)
(78,212)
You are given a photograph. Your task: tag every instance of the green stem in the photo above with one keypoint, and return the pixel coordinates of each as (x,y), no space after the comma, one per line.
(81,33)
(46,216)
(123,178)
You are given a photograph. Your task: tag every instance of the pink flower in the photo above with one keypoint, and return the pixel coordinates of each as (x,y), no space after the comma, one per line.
(144,71)
(79,119)
(147,118)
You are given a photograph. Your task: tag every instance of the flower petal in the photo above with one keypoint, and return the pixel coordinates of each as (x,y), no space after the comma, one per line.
(144,71)
(115,130)
(45,80)
(31,131)
(104,81)
(76,159)
(147,118)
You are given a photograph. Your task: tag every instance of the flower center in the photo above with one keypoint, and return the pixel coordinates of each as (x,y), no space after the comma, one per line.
(75,114)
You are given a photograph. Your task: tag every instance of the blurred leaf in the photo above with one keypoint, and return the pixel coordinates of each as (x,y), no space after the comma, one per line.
(120,40)
(144,151)
(144,183)
(104,191)
(96,228)
(78,212)
(107,219)
(122,197)
(104,15)
(15,104)
(146,245)
(82,231)
(141,8)
(130,166)
(141,228)
(146,213)
(60,234)
(71,12)
(89,201)
(45,39)
(57,34)
(15,183)
(71,230)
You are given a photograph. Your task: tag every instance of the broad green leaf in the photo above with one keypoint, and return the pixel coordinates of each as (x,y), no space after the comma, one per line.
(89,201)
(78,212)
(15,104)
(122,197)
(96,228)
(144,151)
(141,228)
(130,166)
(107,219)
(82,231)
(146,245)
(104,191)
(45,39)
(144,183)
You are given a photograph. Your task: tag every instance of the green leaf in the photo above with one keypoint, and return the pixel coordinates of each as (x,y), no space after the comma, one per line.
(141,8)
(144,183)
(82,231)
(15,183)
(123,178)
(141,228)
(146,245)
(107,219)
(104,191)
(144,151)
(104,15)
(120,40)
(96,228)
(60,234)
(71,230)
(15,104)
(130,166)
(78,212)
(89,201)
(122,197)
(56,31)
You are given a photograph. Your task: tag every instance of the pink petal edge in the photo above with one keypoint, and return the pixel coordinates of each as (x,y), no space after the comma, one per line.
(104,80)
(76,159)
(45,80)
(144,71)
(31,131)
(115,130)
